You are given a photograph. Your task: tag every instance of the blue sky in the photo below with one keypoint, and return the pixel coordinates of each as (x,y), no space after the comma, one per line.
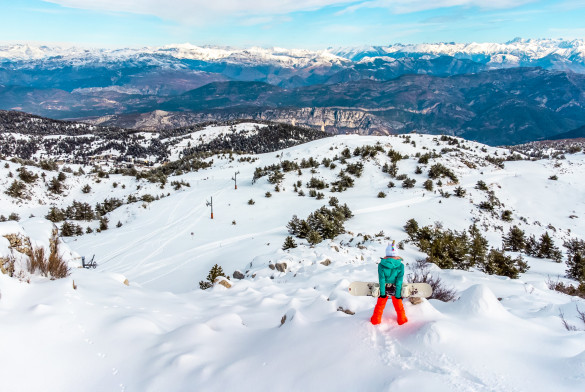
(311,24)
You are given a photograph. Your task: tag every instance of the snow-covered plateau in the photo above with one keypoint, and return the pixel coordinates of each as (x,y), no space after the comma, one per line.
(140,322)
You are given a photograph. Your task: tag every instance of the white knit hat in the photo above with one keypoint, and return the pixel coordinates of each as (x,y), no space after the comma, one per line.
(390,250)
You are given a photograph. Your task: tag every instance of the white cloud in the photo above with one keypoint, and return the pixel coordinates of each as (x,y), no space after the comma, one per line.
(409,6)
(200,11)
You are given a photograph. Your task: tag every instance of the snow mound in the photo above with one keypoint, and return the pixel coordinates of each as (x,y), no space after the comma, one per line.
(479,301)
(225,322)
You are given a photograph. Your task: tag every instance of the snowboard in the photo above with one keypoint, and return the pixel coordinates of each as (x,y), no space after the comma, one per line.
(372,289)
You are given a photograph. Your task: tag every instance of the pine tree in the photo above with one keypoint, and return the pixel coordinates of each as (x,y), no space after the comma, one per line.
(515,241)
(55,186)
(214,272)
(17,189)
(67,229)
(289,243)
(548,250)
(104,223)
(411,228)
(55,215)
(531,246)
(294,226)
(314,237)
(498,263)
(459,191)
(478,247)
(481,185)
(576,259)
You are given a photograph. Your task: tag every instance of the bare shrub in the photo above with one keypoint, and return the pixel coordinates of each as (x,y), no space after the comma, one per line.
(421,274)
(7,265)
(557,285)
(581,314)
(566,324)
(52,266)
(37,261)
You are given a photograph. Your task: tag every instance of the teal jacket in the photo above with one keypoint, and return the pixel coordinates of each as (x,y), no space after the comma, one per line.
(391,270)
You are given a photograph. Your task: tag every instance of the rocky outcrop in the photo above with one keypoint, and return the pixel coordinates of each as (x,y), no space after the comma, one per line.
(330,120)
(221,280)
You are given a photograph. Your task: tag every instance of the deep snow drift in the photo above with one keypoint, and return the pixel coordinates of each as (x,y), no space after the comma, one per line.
(292,330)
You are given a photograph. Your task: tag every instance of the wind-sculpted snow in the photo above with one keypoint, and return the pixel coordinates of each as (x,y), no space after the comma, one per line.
(295,327)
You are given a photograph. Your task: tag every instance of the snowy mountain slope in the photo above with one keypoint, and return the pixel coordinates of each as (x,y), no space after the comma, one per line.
(517,49)
(161,56)
(163,333)
(517,52)
(31,137)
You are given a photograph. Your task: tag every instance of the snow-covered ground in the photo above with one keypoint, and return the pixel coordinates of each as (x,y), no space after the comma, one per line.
(292,330)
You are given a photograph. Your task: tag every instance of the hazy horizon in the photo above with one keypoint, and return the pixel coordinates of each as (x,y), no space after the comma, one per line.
(307,24)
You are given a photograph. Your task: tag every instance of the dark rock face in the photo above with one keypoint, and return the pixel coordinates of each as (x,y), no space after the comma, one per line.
(505,106)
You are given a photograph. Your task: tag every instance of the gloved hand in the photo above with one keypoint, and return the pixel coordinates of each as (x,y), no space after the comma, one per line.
(384,296)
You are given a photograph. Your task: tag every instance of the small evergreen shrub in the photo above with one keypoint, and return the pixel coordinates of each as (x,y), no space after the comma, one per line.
(104,223)
(214,272)
(109,205)
(147,198)
(327,222)
(408,183)
(70,229)
(428,185)
(355,169)
(439,170)
(507,216)
(17,190)
(498,263)
(459,192)
(481,185)
(314,237)
(26,176)
(289,243)
(462,250)
(55,186)
(315,183)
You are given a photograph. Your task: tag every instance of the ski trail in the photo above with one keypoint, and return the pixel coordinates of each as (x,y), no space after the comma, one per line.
(201,251)
(397,204)
(170,223)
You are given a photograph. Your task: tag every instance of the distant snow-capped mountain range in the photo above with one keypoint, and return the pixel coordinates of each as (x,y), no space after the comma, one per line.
(517,52)
(489,92)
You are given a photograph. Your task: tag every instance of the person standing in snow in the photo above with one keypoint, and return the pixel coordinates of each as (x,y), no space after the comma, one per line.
(390,271)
